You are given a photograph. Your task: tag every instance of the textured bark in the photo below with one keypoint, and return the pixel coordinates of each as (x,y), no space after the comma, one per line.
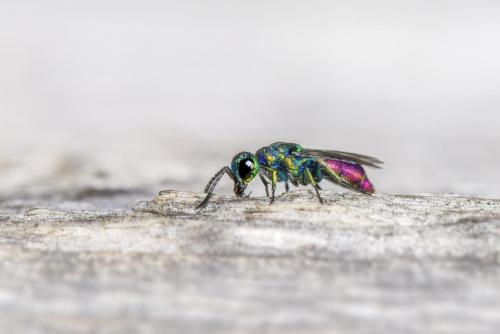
(357,264)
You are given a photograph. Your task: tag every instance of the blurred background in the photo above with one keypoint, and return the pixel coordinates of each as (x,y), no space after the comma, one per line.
(151,95)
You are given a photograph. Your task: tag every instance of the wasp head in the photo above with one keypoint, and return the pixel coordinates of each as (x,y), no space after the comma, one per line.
(244,167)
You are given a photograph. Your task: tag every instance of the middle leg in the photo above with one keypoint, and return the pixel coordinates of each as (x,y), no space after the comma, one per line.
(274,180)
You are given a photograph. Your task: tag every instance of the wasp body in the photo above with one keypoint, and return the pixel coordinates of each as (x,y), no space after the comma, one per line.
(291,163)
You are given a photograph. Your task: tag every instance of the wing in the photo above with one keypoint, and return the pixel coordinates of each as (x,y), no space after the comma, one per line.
(344,156)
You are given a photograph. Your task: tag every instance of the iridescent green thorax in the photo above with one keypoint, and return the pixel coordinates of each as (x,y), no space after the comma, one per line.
(285,158)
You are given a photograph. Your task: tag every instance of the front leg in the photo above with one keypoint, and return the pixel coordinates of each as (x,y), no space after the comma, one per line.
(209,189)
(266,183)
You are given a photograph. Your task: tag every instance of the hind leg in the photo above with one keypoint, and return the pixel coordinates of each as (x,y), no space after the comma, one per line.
(315,185)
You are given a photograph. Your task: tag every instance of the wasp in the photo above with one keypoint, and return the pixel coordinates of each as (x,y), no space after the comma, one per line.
(291,163)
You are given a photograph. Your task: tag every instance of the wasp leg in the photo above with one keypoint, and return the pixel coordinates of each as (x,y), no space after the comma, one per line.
(314,184)
(294,181)
(209,189)
(266,184)
(274,180)
(317,194)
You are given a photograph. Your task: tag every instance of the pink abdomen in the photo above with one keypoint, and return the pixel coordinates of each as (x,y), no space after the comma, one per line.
(351,173)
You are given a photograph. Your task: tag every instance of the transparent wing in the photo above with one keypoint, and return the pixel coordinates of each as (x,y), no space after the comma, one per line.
(344,156)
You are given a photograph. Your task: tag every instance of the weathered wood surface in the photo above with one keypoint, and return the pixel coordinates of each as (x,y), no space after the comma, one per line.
(357,264)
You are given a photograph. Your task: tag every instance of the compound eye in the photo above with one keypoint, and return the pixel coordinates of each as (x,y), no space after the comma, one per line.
(245,168)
